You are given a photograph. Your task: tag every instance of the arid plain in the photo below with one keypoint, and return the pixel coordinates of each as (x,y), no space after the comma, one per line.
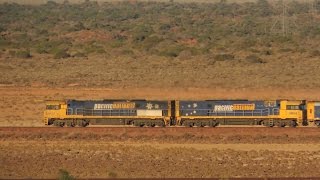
(162,51)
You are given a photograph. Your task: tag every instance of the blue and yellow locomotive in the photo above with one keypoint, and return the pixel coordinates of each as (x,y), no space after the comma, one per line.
(210,113)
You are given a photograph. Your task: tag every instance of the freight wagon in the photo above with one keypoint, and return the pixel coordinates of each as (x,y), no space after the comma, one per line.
(107,112)
(210,113)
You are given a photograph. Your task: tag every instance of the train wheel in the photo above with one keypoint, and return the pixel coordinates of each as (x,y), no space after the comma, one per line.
(148,124)
(293,124)
(70,124)
(198,124)
(268,123)
(214,124)
(280,124)
(305,123)
(204,124)
(161,124)
(56,123)
(186,124)
(136,124)
(82,123)
(61,124)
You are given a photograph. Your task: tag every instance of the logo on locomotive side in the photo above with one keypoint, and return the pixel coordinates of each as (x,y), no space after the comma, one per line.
(114,106)
(234,107)
(223,108)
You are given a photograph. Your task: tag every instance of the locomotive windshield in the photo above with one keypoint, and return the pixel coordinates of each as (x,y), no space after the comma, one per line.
(53,107)
(294,107)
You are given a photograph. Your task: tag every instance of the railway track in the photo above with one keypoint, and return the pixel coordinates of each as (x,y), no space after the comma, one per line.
(162,132)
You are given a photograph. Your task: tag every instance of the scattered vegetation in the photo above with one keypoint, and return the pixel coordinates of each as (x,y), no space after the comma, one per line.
(254,59)
(154,28)
(65,175)
(20,54)
(112,174)
(61,54)
(223,57)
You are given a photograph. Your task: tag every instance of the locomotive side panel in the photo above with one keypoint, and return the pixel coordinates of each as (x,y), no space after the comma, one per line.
(227,108)
(239,112)
(112,112)
(118,108)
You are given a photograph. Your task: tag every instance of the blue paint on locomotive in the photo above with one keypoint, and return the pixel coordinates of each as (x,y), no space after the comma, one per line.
(229,108)
(113,107)
(317,112)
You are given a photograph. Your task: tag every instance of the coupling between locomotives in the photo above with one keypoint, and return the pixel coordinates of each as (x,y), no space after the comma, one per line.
(205,113)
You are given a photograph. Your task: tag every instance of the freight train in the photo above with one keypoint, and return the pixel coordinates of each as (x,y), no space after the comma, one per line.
(207,113)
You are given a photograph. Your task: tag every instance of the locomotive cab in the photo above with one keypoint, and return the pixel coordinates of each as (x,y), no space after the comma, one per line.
(54,110)
(292,110)
(313,112)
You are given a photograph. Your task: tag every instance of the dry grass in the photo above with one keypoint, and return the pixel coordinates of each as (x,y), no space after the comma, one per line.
(283,71)
(37,2)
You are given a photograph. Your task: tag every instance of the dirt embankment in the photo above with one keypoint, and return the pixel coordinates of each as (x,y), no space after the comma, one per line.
(158,152)
(172,135)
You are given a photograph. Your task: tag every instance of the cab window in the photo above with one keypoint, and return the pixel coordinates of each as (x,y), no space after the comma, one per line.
(293,107)
(53,107)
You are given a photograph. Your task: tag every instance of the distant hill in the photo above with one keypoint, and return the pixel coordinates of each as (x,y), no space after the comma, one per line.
(161,43)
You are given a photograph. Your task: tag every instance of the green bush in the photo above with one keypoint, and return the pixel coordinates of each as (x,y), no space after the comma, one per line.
(144,26)
(223,57)
(79,54)
(65,175)
(112,174)
(254,59)
(151,42)
(61,54)
(41,50)
(171,52)
(23,54)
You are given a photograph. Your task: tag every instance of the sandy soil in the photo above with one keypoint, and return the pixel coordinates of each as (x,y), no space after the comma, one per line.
(31,153)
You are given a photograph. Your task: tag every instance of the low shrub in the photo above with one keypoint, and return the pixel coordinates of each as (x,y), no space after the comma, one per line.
(79,54)
(112,174)
(315,53)
(254,59)
(223,57)
(172,51)
(23,54)
(65,175)
(61,54)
